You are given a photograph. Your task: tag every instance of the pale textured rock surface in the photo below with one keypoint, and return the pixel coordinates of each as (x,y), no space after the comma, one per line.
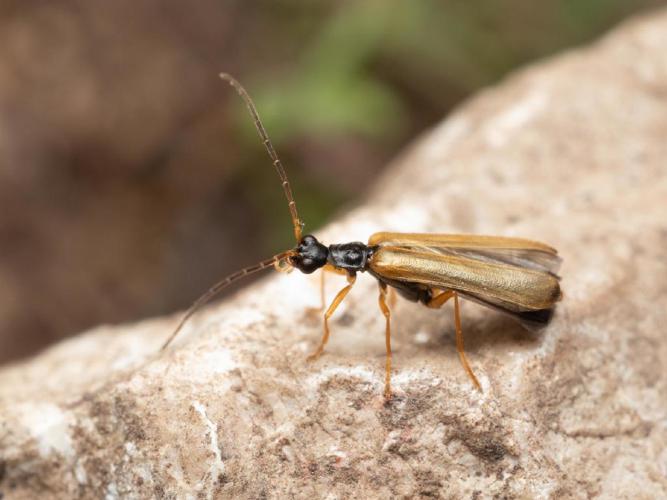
(572,152)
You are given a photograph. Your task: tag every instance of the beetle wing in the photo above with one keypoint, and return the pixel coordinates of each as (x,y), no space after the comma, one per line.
(506,286)
(518,252)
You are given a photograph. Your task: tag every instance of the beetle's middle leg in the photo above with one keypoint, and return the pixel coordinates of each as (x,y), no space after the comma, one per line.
(438,301)
(351,278)
(382,301)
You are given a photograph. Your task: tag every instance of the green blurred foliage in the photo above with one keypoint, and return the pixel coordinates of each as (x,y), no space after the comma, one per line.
(382,71)
(334,86)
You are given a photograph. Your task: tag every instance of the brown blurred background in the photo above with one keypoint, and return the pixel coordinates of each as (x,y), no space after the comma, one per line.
(130,175)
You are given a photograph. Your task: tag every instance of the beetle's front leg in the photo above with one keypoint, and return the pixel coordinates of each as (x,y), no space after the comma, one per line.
(351,278)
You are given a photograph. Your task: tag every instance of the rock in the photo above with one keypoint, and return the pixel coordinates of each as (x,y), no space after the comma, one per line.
(571,152)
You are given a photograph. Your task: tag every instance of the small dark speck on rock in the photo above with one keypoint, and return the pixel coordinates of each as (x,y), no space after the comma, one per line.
(345,319)
(489,451)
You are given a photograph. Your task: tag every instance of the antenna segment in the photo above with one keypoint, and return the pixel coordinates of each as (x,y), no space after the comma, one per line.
(221,285)
(296,222)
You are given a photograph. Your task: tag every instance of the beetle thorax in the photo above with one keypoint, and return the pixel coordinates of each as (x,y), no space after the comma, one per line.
(350,256)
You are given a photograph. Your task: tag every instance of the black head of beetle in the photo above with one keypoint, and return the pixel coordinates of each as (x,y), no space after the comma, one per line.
(310,255)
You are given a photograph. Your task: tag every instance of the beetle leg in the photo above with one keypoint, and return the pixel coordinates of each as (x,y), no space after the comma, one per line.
(459,343)
(316,311)
(387,338)
(391,295)
(438,301)
(351,278)
(323,297)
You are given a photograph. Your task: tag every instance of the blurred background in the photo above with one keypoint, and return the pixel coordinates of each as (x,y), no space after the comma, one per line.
(130,175)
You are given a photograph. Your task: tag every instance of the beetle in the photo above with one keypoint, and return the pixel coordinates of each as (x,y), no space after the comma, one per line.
(514,275)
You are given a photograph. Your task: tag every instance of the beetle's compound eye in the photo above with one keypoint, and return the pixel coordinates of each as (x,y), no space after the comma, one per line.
(310,255)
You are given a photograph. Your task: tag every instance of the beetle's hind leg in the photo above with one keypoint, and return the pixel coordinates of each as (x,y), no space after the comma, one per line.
(437,302)
(459,343)
(351,278)
(382,301)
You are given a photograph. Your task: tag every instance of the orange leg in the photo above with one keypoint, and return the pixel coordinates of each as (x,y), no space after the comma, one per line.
(438,301)
(387,339)
(336,302)
(323,296)
(392,298)
(323,299)
(459,343)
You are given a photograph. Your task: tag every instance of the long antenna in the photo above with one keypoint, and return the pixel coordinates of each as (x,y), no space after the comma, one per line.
(218,287)
(298,225)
